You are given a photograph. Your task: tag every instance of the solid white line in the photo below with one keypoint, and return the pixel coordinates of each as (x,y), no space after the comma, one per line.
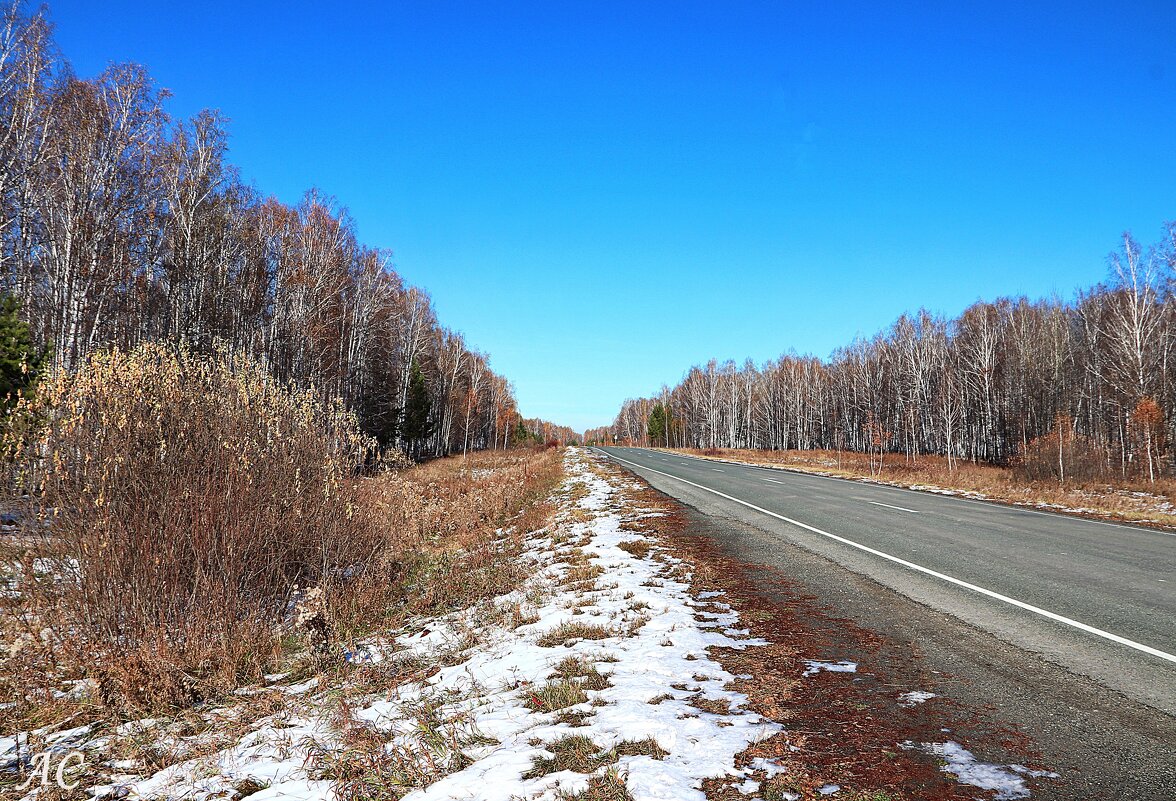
(899,508)
(1147,649)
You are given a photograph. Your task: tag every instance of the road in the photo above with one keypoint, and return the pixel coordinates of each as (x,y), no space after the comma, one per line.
(1066,626)
(1097,598)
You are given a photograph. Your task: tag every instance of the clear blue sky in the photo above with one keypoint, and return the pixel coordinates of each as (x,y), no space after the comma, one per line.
(600,195)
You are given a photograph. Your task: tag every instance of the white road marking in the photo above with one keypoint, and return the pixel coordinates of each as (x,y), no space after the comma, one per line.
(774,481)
(899,508)
(717,470)
(945,496)
(1138,646)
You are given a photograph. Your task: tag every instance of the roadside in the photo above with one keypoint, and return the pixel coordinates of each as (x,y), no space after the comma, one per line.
(1148,505)
(1002,703)
(627,662)
(858,712)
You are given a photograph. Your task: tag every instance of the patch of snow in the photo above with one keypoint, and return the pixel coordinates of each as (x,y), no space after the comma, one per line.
(915,697)
(303,687)
(769,767)
(815,666)
(1005,780)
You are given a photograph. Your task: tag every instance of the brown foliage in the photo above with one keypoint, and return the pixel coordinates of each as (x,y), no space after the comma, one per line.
(181,501)
(1061,455)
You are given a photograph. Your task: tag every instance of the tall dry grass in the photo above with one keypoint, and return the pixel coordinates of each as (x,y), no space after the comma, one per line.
(455,528)
(179,502)
(179,509)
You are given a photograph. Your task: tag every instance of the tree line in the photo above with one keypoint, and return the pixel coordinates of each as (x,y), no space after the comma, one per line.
(120,225)
(1091,379)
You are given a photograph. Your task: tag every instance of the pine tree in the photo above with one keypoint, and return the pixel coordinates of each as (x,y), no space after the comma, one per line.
(418,408)
(520,435)
(656,428)
(20,362)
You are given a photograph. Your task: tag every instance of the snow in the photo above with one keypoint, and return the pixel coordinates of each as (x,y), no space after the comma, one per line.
(471,729)
(814,666)
(915,697)
(485,736)
(1006,781)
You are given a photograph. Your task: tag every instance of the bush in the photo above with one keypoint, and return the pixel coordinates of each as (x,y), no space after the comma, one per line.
(184,500)
(1073,459)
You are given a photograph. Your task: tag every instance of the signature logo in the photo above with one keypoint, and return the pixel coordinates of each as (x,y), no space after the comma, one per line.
(43,767)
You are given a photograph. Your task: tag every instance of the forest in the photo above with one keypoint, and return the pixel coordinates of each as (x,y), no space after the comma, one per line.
(1086,385)
(121,225)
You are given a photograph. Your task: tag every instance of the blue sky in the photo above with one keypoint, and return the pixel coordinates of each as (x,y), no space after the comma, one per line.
(600,195)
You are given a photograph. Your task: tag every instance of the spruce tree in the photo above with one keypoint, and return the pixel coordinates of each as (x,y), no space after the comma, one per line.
(520,434)
(656,428)
(20,362)
(418,409)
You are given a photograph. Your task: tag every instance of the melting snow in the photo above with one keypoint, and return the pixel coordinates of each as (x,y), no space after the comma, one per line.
(492,672)
(814,667)
(1005,780)
(915,697)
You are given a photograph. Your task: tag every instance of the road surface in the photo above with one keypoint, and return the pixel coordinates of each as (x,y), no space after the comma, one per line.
(1061,627)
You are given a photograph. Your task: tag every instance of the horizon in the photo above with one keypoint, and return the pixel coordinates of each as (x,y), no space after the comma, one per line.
(613,166)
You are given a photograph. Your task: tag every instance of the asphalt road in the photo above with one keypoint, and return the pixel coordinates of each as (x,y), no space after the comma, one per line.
(1095,599)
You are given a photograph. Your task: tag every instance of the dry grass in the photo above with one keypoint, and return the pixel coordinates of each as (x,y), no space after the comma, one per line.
(567,633)
(370,766)
(608,786)
(637,548)
(442,522)
(574,752)
(177,503)
(171,556)
(578,753)
(574,667)
(1133,500)
(557,694)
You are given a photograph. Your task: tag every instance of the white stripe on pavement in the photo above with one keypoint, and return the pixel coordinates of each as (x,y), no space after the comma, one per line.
(899,508)
(1147,649)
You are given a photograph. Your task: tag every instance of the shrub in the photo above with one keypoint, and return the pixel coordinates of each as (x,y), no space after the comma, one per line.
(185,501)
(1061,455)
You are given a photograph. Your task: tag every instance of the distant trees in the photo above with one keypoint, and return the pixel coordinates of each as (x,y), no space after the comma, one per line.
(1092,379)
(120,225)
(542,431)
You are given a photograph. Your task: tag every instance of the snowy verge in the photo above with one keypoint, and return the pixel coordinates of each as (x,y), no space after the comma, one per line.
(596,669)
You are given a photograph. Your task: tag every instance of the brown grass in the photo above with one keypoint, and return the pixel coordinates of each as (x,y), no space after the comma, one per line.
(557,694)
(571,631)
(637,548)
(184,504)
(179,502)
(608,786)
(1029,482)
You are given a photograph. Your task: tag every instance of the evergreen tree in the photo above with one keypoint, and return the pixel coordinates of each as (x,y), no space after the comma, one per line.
(417,422)
(20,362)
(658,425)
(520,435)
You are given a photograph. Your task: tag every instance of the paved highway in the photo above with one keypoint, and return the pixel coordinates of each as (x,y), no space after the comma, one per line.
(1097,599)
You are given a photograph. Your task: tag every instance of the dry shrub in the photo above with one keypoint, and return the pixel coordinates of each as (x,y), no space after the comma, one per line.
(1061,455)
(181,501)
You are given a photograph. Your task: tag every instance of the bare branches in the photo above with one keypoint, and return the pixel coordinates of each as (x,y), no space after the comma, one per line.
(120,226)
(986,386)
